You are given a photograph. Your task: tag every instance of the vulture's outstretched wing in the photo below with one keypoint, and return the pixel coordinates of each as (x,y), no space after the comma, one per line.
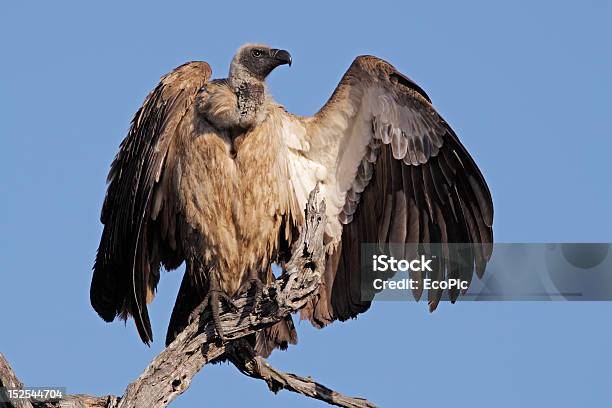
(139,213)
(393,171)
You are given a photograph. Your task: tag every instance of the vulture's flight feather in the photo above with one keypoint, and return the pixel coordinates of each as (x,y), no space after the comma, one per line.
(216,174)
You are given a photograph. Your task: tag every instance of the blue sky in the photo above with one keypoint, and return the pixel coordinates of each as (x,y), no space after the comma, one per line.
(526,85)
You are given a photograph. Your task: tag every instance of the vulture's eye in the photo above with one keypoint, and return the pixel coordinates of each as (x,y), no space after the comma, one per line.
(257,53)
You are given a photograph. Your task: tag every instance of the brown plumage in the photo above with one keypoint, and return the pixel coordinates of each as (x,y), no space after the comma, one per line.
(216,174)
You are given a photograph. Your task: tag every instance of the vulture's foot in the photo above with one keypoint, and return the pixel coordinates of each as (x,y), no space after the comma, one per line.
(249,284)
(213,299)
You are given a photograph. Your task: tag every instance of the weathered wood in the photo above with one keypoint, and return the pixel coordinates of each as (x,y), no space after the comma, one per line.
(81,401)
(171,372)
(8,379)
(242,355)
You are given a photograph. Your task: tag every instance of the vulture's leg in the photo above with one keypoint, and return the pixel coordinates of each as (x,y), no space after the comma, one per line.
(253,281)
(213,298)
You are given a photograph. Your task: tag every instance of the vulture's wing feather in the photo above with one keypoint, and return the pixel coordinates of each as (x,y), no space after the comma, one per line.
(139,214)
(396,173)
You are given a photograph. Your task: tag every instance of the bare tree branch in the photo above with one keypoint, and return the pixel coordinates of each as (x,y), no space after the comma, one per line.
(242,355)
(171,372)
(8,379)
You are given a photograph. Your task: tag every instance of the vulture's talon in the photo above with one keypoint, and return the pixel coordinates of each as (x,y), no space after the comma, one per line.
(250,284)
(229,301)
(213,299)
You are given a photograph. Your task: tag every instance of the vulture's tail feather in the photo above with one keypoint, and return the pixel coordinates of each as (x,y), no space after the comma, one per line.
(279,336)
(188,298)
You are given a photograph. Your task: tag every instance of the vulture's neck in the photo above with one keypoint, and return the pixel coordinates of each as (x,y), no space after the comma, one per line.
(251,95)
(251,98)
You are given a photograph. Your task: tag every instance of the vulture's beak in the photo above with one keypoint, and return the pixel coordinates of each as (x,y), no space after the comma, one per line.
(282,56)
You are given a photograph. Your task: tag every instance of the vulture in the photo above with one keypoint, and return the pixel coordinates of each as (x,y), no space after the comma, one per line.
(214,173)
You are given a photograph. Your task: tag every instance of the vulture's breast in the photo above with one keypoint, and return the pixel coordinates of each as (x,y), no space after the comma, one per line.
(234,204)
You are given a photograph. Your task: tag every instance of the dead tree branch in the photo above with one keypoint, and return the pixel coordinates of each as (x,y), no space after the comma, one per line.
(171,372)
(8,379)
(244,358)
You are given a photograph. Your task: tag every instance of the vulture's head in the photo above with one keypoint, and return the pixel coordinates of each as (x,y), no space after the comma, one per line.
(257,61)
